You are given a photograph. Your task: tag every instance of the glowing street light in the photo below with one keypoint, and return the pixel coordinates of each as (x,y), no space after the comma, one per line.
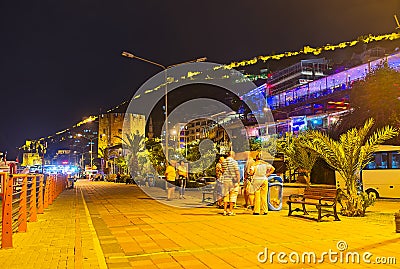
(165,68)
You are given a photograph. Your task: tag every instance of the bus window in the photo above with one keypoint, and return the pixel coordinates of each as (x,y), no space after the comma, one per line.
(381,159)
(395,160)
(370,165)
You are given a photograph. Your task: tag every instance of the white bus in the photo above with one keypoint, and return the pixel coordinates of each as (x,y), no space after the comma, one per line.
(381,176)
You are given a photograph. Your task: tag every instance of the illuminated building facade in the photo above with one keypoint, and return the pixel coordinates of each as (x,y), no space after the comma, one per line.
(318,103)
(112,127)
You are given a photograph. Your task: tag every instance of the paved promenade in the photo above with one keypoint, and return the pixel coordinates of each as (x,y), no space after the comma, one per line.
(108,225)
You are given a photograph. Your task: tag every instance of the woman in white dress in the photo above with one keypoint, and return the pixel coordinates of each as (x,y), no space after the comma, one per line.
(260,171)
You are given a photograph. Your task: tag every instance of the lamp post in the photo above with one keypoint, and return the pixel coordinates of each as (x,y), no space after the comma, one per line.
(174,135)
(91,147)
(165,68)
(79,159)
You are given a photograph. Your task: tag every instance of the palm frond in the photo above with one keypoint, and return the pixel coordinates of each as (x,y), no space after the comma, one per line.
(327,147)
(377,138)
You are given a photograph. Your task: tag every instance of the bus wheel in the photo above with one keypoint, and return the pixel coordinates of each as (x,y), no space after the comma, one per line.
(372,194)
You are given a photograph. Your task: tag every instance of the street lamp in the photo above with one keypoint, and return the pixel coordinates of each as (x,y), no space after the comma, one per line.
(165,68)
(91,148)
(174,135)
(79,158)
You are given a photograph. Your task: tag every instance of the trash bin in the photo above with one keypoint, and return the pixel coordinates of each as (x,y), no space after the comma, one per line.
(275,192)
(71,181)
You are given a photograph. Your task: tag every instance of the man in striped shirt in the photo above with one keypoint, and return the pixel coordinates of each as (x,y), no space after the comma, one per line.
(231,178)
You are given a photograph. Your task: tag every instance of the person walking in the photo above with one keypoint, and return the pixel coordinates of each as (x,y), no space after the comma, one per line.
(248,192)
(170,177)
(231,178)
(182,179)
(219,182)
(260,172)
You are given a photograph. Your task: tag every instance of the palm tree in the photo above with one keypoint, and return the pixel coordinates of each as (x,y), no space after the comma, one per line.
(299,156)
(133,143)
(348,156)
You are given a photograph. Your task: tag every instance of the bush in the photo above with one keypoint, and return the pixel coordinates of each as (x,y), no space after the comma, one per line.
(123,179)
(366,201)
(127,179)
(111,177)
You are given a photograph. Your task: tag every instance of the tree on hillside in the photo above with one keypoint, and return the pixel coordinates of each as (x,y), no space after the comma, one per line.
(348,155)
(377,97)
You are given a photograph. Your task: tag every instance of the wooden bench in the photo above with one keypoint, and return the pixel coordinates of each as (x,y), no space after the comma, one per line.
(322,198)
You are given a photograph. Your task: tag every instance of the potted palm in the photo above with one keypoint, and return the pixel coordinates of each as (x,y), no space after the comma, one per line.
(348,156)
(397,221)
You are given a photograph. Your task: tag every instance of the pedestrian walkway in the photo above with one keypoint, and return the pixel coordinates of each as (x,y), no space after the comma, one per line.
(61,238)
(128,229)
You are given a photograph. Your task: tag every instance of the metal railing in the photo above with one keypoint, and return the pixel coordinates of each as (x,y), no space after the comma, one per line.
(24,196)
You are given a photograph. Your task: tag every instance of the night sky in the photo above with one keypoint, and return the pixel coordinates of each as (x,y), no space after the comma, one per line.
(60,60)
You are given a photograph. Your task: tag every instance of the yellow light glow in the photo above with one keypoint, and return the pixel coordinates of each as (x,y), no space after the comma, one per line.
(306,50)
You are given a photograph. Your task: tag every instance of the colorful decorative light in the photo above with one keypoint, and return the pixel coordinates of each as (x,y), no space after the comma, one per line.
(306,50)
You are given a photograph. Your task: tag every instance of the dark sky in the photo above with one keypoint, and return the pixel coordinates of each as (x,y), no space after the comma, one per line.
(60,60)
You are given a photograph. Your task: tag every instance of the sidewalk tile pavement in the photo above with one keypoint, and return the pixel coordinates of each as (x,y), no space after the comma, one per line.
(109,225)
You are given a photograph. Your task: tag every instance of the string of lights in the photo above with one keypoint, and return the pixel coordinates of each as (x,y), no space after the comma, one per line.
(307,49)
(191,75)
(84,121)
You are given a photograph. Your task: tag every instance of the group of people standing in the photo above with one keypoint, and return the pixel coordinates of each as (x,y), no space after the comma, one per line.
(255,187)
(176,176)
